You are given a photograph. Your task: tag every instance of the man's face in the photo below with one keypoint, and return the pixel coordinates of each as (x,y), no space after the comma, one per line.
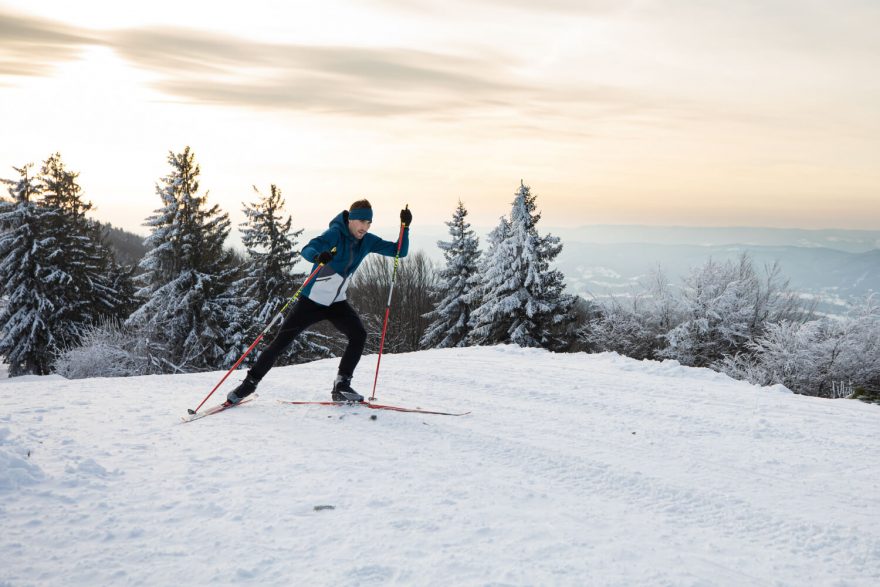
(358,228)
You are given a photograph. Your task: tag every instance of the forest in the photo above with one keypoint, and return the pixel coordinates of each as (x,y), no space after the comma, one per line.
(83,299)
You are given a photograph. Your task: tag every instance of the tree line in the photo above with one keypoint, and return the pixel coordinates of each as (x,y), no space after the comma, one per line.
(190,303)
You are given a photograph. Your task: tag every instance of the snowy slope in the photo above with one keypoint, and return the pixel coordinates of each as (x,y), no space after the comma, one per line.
(571,470)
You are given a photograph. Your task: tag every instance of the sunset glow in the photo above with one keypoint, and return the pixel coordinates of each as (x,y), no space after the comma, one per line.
(693,113)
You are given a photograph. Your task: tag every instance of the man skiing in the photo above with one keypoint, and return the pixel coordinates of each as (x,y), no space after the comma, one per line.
(340,249)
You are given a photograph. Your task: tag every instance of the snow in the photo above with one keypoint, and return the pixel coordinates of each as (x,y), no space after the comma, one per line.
(572,469)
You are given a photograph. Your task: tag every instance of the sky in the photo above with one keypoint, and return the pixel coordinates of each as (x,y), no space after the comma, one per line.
(702,113)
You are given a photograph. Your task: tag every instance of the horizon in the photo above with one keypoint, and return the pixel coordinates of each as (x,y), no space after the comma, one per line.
(615,114)
(544,229)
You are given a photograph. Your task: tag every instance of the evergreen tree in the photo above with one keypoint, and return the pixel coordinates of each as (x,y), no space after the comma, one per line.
(51,245)
(269,279)
(121,280)
(80,264)
(479,298)
(27,340)
(185,274)
(450,317)
(523,301)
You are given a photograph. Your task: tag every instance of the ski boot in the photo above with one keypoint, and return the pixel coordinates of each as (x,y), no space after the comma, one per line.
(342,391)
(244,389)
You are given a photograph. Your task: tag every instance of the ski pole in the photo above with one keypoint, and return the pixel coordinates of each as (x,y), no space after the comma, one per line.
(268,327)
(388,307)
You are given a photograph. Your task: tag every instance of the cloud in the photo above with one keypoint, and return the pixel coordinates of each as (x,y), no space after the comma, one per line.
(361,81)
(368,81)
(32,46)
(215,68)
(562,7)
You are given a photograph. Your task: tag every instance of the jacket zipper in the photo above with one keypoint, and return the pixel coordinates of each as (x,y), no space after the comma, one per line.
(347,267)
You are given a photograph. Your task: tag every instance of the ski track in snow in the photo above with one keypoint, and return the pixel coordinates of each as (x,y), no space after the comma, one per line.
(571,470)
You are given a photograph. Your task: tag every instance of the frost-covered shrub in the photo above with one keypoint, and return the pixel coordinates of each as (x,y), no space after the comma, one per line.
(635,325)
(107,350)
(622,328)
(808,357)
(724,307)
(788,353)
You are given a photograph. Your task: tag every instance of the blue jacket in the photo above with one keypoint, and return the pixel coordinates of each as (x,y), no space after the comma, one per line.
(331,282)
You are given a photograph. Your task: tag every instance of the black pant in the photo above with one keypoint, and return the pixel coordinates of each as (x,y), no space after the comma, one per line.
(305,313)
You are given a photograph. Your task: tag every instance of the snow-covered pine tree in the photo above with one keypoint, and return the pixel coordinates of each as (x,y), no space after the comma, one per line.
(26,334)
(121,279)
(80,266)
(269,279)
(523,300)
(450,317)
(486,331)
(185,274)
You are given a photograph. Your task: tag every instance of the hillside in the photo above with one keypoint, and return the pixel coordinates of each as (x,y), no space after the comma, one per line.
(570,470)
(128,247)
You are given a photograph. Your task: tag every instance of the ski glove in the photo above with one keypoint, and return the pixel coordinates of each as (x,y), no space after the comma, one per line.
(324,257)
(405,217)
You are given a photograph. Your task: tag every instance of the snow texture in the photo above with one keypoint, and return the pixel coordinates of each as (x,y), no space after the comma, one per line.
(572,469)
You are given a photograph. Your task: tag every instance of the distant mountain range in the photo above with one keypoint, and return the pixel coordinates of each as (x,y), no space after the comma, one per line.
(604,269)
(599,261)
(852,241)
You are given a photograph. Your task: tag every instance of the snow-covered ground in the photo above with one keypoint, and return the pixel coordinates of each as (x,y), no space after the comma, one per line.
(570,470)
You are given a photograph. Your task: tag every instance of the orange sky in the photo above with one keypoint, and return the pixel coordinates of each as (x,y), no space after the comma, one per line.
(687,113)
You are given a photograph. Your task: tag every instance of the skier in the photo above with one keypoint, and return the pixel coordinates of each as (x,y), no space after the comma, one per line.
(340,249)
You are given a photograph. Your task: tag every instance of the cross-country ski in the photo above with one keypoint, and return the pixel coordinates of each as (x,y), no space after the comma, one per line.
(214,410)
(372,406)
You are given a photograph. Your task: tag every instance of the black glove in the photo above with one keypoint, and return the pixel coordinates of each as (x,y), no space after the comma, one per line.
(325,257)
(405,217)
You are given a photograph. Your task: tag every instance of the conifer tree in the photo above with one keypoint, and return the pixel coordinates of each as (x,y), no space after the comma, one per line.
(269,278)
(451,315)
(121,280)
(185,274)
(482,329)
(80,263)
(26,335)
(523,301)
(51,245)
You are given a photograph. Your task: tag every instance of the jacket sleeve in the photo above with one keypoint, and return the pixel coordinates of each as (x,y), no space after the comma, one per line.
(389,248)
(324,242)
